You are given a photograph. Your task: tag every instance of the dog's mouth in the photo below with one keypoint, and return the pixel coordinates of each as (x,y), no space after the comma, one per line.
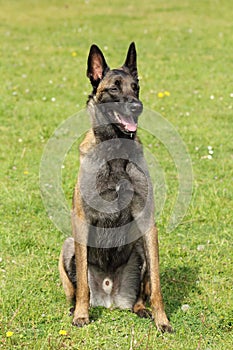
(126,123)
(123,116)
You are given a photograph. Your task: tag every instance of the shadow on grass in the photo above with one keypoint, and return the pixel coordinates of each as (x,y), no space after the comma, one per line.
(96,313)
(177,284)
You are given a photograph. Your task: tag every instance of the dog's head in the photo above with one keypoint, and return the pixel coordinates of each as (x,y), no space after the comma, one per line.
(115,96)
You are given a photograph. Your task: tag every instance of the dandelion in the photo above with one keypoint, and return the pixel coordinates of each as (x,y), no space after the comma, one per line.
(167,93)
(62,332)
(74,54)
(185,307)
(25,172)
(200,247)
(160,94)
(9,334)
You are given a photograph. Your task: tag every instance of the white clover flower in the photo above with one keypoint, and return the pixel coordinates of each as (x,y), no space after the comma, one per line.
(185,307)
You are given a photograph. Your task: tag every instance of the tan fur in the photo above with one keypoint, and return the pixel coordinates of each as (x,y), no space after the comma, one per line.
(67,285)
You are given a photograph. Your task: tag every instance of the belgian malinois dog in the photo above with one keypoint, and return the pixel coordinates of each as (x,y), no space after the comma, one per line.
(113,258)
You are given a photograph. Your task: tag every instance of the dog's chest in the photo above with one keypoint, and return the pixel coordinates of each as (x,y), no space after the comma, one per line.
(107,194)
(112,180)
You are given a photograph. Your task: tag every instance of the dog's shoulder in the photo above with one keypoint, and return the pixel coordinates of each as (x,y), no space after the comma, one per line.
(87,144)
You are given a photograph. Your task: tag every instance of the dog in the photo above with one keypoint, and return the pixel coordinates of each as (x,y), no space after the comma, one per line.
(112,260)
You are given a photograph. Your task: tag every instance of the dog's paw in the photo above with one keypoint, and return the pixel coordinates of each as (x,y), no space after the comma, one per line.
(80,321)
(162,323)
(144,313)
(71,311)
(164,328)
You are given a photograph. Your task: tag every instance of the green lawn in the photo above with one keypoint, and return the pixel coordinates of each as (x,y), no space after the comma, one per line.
(184,47)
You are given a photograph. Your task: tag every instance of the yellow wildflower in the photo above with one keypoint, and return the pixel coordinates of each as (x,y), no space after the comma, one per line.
(167,93)
(25,172)
(160,94)
(62,332)
(74,54)
(9,334)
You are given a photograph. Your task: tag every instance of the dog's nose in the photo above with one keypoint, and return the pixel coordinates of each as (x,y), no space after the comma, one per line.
(135,107)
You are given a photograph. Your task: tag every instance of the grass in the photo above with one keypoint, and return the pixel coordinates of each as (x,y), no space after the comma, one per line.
(183,47)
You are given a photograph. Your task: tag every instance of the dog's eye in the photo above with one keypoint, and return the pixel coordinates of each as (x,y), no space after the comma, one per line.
(117,83)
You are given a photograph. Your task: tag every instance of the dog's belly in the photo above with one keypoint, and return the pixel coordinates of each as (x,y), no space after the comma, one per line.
(114,275)
(108,260)
(116,288)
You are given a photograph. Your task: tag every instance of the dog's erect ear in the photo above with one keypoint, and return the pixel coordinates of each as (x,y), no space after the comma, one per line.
(131,60)
(96,65)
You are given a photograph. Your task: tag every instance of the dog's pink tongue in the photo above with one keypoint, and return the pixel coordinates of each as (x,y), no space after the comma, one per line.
(129,124)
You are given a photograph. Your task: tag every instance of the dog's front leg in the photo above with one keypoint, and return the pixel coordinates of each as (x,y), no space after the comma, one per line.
(81,312)
(80,233)
(156,299)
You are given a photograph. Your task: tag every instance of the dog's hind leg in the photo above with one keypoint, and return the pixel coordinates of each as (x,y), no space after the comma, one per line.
(139,307)
(65,258)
